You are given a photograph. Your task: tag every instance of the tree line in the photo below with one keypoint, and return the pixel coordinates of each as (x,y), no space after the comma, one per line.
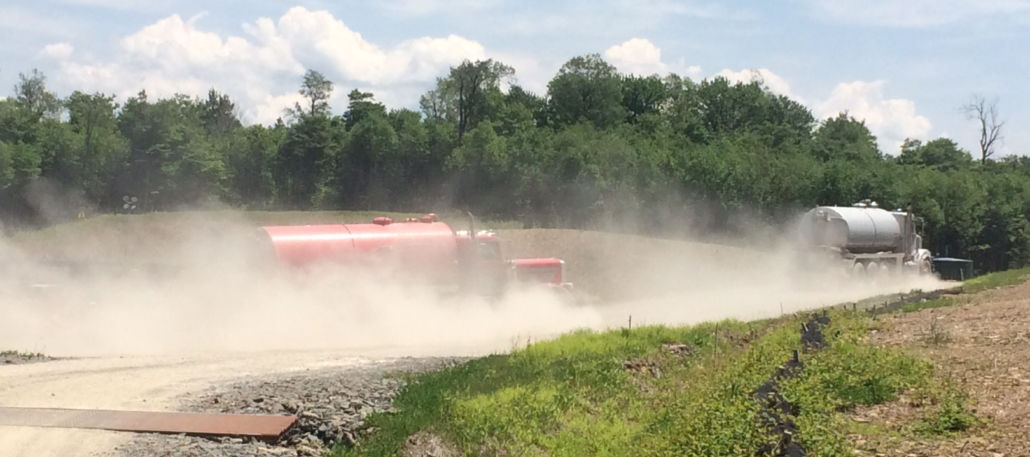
(600,147)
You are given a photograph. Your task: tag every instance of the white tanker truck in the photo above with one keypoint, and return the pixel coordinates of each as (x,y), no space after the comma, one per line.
(866,238)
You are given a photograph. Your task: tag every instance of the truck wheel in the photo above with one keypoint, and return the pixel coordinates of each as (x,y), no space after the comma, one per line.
(925,267)
(872,270)
(858,270)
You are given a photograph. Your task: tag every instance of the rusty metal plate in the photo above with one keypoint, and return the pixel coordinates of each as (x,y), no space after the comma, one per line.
(267,427)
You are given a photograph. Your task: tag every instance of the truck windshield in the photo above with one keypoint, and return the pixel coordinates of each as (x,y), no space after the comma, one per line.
(489,251)
(536,275)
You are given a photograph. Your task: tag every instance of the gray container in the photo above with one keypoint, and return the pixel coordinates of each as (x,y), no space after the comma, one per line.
(953,269)
(856,229)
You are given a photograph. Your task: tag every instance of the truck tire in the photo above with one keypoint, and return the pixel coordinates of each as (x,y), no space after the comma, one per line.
(925,267)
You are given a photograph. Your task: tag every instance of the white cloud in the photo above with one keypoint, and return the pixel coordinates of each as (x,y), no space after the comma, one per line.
(915,13)
(59,51)
(638,56)
(775,83)
(262,69)
(319,37)
(891,120)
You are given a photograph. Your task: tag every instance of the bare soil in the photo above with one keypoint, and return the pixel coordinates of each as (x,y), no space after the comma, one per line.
(983,344)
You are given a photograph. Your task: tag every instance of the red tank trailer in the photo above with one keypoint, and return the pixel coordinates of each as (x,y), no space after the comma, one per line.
(421,246)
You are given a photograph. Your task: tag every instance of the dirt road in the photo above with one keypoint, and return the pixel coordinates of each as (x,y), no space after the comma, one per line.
(224,306)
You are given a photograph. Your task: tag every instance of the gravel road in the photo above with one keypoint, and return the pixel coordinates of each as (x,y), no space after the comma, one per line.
(331,405)
(332,391)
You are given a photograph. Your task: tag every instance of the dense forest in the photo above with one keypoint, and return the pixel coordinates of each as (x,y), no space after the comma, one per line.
(598,148)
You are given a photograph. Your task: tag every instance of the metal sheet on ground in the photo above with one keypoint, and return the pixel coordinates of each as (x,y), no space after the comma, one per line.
(267,427)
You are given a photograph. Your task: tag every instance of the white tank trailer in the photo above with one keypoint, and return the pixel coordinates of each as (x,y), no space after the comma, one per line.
(866,238)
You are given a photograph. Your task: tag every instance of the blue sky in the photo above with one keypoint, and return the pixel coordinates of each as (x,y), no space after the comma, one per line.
(905,67)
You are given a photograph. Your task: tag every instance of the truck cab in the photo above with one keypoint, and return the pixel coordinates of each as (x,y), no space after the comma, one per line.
(484,262)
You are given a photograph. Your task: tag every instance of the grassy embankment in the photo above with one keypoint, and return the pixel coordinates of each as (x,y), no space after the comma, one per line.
(637,392)
(641,392)
(972,286)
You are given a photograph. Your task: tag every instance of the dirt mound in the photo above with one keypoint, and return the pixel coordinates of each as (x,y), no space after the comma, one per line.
(982,343)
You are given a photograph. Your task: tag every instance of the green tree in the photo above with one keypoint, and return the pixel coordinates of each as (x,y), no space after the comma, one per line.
(482,163)
(368,171)
(519,111)
(33,97)
(317,90)
(467,95)
(218,112)
(643,96)
(418,169)
(172,161)
(845,138)
(362,106)
(586,89)
(22,161)
(20,151)
(103,149)
(942,154)
(250,161)
(306,159)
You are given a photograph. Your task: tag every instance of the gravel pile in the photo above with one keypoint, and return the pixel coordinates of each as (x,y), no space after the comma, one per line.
(331,406)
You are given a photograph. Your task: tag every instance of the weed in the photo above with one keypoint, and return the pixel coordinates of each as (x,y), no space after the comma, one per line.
(950,414)
(928,304)
(847,373)
(937,334)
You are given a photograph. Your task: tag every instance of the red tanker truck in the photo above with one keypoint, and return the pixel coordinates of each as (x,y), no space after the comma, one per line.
(423,247)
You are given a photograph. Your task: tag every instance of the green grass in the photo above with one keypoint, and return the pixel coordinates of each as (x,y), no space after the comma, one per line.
(971,286)
(928,304)
(996,279)
(846,374)
(573,396)
(949,410)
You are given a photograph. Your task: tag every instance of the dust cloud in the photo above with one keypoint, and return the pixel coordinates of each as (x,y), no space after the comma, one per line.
(217,290)
(213,289)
